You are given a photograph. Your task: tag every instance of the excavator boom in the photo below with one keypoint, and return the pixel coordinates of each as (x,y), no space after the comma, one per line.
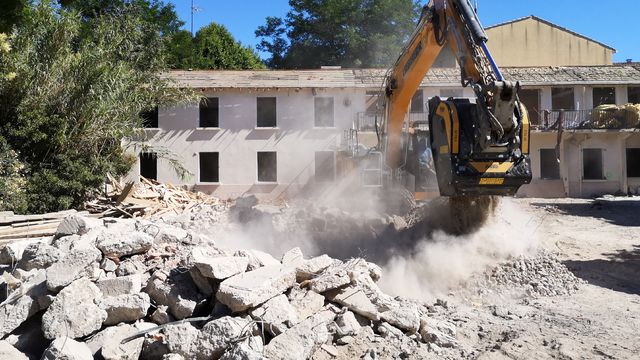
(479,146)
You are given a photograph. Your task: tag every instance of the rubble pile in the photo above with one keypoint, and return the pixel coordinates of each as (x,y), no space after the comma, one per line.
(540,275)
(133,288)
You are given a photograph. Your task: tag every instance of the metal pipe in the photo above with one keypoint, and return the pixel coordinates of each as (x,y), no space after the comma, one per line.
(494,66)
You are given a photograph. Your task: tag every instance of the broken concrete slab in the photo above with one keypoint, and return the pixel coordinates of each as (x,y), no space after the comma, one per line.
(405,318)
(28,338)
(76,225)
(249,349)
(182,339)
(77,263)
(161,315)
(130,267)
(206,286)
(257,258)
(123,285)
(119,244)
(30,298)
(113,349)
(163,233)
(218,335)
(8,352)
(124,308)
(277,315)
(39,256)
(302,340)
(73,312)
(293,257)
(11,253)
(311,268)
(176,290)
(250,289)
(65,348)
(220,267)
(333,277)
(354,299)
(306,302)
(349,325)
(440,333)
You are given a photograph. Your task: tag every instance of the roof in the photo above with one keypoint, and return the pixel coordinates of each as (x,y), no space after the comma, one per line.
(533,17)
(373,78)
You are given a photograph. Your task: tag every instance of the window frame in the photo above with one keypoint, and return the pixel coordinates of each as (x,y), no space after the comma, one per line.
(573,100)
(333,162)
(593,95)
(200,181)
(637,149)
(258,168)
(602,176)
(315,113)
(542,177)
(630,91)
(275,110)
(154,157)
(155,112)
(200,110)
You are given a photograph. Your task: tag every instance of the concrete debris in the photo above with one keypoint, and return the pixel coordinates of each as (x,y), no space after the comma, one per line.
(65,348)
(175,290)
(124,308)
(76,225)
(257,258)
(302,340)
(221,267)
(73,312)
(30,298)
(276,315)
(182,339)
(348,324)
(308,269)
(76,264)
(250,349)
(306,302)
(293,257)
(123,285)
(161,315)
(11,253)
(207,286)
(114,349)
(116,244)
(250,289)
(405,318)
(217,335)
(8,352)
(356,300)
(39,256)
(440,333)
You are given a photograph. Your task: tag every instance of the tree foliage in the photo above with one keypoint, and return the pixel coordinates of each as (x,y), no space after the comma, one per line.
(215,48)
(11,13)
(350,33)
(70,101)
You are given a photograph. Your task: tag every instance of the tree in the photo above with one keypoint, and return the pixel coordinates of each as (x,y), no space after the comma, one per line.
(179,50)
(70,104)
(350,33)
(215,48)
(154,12)
(12,12)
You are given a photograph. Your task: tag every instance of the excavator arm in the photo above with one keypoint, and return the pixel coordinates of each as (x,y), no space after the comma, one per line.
(480,146)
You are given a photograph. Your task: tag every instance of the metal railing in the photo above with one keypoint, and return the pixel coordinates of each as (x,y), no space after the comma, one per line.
(591,119)
(367,121)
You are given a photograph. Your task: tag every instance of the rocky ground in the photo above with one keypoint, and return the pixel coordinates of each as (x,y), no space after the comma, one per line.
(536,279)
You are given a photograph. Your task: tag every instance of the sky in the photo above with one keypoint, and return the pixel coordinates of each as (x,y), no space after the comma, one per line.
(612,22)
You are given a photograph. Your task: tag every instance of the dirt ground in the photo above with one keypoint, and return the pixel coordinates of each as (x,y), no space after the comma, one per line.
(600,243)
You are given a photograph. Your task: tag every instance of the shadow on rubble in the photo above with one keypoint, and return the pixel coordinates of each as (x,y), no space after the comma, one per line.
(401,238)
(617,212)
(619,272)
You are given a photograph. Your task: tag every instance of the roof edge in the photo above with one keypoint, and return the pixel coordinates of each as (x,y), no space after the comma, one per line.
(547,22)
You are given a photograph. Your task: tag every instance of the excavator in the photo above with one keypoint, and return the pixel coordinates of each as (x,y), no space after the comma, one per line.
(469,147)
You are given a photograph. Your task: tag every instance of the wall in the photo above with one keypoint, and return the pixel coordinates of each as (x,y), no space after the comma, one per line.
(533,43)
(541,187)
(237,140)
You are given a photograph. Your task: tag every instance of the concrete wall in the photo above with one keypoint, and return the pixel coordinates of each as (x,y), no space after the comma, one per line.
(533,43)
(238,140)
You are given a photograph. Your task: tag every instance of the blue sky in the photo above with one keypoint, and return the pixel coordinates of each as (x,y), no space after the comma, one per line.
(613,22)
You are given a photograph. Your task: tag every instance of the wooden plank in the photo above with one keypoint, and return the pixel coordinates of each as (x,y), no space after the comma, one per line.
(123,195)
(26,229)
(29,234)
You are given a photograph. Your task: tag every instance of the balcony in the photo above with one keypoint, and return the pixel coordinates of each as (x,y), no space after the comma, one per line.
(366,122)
(602,118)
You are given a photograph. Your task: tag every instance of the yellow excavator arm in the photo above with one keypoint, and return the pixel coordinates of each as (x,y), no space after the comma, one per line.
(479,146)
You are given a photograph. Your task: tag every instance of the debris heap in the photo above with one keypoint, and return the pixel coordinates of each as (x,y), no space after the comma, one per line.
(133,288)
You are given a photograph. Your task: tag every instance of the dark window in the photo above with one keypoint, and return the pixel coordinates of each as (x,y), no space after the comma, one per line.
(325,166)
(549,167)
(604,96)
(372,98)
(634,94)
(267,167)
(531,100)
(149,165)
(266,111)
(633,162)
(150,118)
(417,102)
(592,164)
(562,99)
(323,107)
(209,113)
(209,167)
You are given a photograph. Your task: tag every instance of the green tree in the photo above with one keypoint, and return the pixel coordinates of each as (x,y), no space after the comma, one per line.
(179,50)
(70,102)
(215,48)
(349,33)
(11,13)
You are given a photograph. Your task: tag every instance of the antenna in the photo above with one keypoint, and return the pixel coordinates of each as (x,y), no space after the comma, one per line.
(194,10)
(475,6)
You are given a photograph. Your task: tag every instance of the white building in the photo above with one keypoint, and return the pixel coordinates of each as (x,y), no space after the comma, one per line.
(276,133)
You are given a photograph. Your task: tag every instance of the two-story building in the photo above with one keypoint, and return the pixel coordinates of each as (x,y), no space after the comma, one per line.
(276,133)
